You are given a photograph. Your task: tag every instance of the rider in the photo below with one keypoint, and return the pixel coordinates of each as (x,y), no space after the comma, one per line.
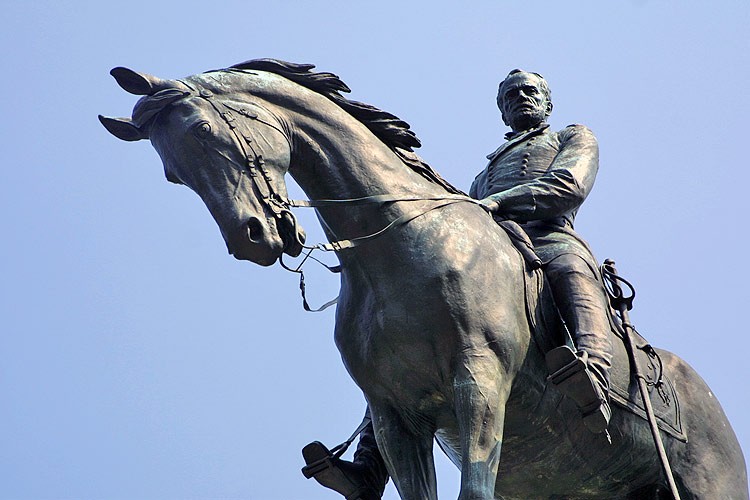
(537,178)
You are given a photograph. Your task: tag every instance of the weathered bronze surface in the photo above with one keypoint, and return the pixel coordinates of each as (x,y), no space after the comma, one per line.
(432,320)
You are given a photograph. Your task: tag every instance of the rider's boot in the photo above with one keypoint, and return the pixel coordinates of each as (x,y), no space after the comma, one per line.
(363,479)
(578,377)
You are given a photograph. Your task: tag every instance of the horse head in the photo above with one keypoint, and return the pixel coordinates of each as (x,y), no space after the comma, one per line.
(228,148)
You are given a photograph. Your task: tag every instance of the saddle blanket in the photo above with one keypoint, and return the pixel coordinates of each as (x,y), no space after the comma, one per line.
(624,392)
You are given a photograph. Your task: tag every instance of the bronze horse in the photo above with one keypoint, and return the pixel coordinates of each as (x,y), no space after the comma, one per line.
(432,326)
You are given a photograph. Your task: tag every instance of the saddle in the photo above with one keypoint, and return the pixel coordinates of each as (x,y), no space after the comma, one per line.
(624,389)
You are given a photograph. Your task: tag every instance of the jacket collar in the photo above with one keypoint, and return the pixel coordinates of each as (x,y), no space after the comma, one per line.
(516,137)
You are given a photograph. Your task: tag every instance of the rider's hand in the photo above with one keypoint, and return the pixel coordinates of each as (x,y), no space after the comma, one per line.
(489,204)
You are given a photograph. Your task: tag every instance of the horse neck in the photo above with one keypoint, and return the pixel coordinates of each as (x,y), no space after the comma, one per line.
(337,157)
(338,162)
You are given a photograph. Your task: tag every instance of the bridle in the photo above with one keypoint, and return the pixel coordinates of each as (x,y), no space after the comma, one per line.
(254,163)
(280,206)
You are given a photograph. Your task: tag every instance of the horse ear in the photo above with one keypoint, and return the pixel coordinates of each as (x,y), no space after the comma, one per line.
(139,83)
(122,128)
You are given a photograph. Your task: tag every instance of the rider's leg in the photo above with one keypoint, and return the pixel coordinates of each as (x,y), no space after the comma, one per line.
(583,305)
(362,479)
(368,455)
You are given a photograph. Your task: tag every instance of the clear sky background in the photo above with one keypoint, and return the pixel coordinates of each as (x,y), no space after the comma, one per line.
(139,360)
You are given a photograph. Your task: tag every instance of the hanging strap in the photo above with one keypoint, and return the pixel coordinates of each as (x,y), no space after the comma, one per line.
(340,449)
(303,287)
(305,304)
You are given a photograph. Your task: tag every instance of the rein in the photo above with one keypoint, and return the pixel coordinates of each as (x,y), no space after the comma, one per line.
(339,245)
(280,205)
(380,199)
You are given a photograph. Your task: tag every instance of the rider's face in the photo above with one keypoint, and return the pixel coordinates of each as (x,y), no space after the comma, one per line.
(524,105)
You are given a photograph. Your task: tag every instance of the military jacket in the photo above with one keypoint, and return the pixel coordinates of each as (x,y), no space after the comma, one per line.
(540,178)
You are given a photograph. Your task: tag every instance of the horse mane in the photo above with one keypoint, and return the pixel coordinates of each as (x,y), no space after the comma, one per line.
(394,132)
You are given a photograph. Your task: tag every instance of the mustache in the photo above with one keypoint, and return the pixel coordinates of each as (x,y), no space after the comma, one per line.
(524,103)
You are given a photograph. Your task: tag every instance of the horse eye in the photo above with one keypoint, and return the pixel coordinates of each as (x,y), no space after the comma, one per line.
(202,129)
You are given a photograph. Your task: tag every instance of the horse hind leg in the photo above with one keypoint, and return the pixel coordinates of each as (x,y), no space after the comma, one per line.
(407,454)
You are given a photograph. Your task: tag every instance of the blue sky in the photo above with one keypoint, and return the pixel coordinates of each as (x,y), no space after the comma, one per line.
(139,360)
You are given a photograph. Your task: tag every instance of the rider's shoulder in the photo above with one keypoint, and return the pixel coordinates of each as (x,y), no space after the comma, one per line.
(576,130)
(480,176)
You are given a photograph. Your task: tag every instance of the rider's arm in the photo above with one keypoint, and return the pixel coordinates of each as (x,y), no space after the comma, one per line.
(562,189)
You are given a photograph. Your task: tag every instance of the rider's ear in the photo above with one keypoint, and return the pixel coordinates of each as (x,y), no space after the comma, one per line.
(122,128)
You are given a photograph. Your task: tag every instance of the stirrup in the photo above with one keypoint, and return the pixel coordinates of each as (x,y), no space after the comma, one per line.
(317,457)
(571,375)
(325,468)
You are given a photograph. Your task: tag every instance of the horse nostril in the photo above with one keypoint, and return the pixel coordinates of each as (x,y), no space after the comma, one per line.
(254,230)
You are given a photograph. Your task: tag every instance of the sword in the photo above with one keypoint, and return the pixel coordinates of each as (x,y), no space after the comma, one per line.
(622,304)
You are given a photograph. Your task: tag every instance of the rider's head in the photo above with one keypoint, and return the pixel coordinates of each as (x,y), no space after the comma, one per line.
(524,100)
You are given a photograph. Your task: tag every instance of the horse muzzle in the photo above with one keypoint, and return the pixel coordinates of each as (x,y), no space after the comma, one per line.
(291,233)
(257,241)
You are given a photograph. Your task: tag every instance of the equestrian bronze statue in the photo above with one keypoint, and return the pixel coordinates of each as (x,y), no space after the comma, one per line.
(444,319)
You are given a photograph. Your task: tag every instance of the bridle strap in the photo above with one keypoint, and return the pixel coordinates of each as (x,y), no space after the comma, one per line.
(254,163)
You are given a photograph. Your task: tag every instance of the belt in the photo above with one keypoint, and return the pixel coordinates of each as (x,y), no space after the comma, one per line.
(554,222)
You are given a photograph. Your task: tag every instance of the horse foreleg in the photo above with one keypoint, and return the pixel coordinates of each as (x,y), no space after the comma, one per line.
(407,455)
(480,396)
